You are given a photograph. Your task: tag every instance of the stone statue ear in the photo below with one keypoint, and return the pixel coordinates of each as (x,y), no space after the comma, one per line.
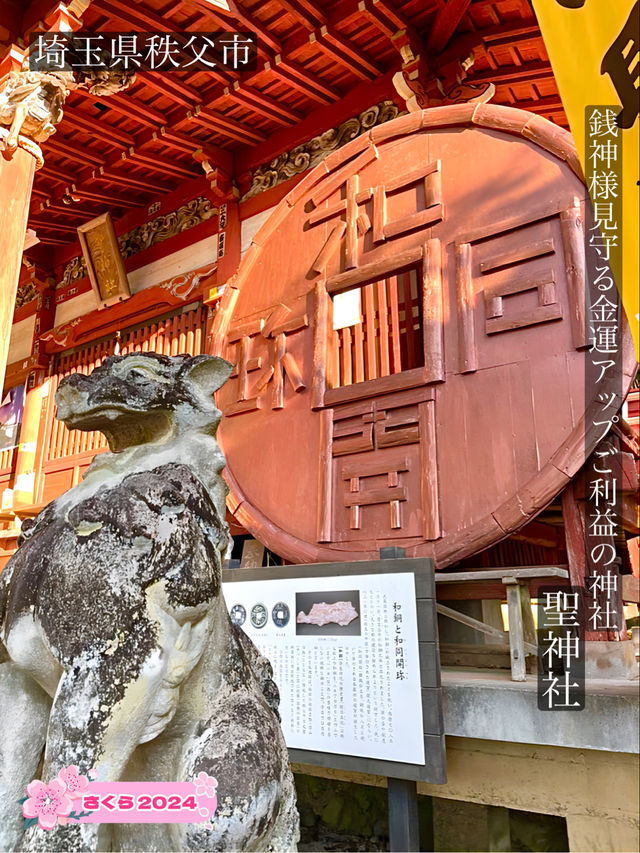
(208,372)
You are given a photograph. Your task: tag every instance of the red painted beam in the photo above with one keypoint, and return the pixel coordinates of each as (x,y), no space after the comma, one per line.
(138,17)
(96,128)
(105,198)
(512,74)
(345,53)
(445,25)
(119,178)
(296,76)
(386,13)
(55,241)
(249,22)
(178,141)
(308,13)
(262,104)
(64,149)
(152,161)
(55,173)
(128,106)
(372,12)
(171,87)
(227,126)
(67,210)
(507,34)
(181,142)
(52,226)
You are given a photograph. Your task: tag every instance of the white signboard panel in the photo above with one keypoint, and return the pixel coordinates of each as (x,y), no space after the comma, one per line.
(345,657)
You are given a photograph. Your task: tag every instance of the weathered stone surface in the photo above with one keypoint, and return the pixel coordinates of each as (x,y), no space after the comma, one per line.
(113,618)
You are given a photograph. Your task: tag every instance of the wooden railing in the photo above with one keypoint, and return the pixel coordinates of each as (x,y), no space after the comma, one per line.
(388,338)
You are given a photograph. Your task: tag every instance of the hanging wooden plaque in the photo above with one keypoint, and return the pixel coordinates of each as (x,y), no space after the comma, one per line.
(104,262)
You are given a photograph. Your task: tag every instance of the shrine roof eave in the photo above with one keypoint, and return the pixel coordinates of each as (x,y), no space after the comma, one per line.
(319,64)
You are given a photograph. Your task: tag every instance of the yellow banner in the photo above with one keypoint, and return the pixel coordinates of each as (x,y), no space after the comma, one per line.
(593,49)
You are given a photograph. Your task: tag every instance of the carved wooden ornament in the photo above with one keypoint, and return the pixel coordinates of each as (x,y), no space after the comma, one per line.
(408,337)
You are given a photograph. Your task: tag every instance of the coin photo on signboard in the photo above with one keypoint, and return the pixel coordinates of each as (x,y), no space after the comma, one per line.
(328,613)
(281,614)
(259,615)
(238,614)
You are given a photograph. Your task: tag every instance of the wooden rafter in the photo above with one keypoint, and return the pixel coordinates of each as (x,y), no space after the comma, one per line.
(309,13)
(159,164)
(52,225)
(313,87)
(71,210)
(374,14)
(226,126)
(54,241)
(137,16)
(130,107)
(93,126)
(65,149)
(38,191)
(342,51)
(171,87)
(445,25)
(181,142)
(385,16)
(105,198)
(248,20)
(512,74)
(55,173)
(120,178)
(261,103)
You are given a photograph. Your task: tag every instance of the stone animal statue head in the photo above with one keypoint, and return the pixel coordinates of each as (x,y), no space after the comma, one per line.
(144,397)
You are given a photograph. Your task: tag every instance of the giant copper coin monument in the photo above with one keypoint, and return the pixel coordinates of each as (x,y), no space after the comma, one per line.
(409,340)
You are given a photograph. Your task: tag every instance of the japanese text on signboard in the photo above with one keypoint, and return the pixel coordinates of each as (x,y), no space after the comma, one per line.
(131,52)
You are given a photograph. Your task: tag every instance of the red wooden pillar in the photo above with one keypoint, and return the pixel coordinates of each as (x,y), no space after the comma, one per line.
(228,259)
(36,389)
(16,178)
(228,240)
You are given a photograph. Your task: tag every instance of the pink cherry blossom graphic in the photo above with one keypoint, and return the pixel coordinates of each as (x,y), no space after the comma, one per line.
(47,802)
(205,785)
(75,783)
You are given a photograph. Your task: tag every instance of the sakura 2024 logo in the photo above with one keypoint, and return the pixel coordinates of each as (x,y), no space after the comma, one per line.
(74,798)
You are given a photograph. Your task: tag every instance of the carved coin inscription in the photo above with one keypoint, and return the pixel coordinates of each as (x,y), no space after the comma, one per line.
(408,342)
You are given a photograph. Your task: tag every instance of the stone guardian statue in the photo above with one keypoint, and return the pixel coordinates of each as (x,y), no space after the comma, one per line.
(119,653)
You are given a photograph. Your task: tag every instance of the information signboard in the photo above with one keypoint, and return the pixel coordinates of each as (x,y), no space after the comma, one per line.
(354,652)
(344,652)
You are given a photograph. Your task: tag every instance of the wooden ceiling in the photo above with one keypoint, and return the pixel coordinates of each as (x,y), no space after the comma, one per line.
(122,152)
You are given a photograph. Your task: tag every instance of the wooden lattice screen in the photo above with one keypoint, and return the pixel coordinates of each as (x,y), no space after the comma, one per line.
(388,338)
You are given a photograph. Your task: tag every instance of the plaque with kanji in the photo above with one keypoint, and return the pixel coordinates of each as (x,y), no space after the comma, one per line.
(408,337)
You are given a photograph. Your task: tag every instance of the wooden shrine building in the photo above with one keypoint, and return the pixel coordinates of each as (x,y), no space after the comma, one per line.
(382,227)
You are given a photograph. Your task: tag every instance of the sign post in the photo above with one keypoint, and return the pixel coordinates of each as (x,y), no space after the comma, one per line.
(402,794)
(354,648)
